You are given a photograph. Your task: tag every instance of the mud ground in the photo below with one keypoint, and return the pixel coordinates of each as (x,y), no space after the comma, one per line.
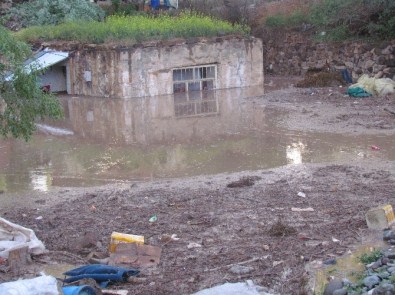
(249,223)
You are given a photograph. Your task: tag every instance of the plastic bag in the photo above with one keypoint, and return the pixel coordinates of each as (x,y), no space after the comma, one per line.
(44,285)
(13,236)
(375,86)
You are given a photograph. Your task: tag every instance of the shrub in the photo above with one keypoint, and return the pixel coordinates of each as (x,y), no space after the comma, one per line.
(296,18)
(360,18)
(373,256)
(52,12)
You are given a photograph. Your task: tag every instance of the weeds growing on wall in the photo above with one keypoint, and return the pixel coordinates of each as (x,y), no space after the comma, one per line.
(132,29)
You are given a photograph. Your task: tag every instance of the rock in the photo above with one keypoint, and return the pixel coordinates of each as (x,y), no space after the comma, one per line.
(342,291)
(385,260)
(332,286)
(384,289)
(375,264)
(88,240)
(384,275)
(347,282)
(387,50)
(240,269)
(330,261)
(391,270)
(389,253)
(371,281)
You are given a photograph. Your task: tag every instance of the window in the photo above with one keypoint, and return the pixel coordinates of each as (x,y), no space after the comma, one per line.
(194,79)
(193,89)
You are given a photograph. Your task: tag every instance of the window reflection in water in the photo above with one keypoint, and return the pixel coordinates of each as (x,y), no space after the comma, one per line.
(195,103)
(294,152)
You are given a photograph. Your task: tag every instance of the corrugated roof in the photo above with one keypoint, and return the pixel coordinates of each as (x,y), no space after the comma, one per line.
(42,60)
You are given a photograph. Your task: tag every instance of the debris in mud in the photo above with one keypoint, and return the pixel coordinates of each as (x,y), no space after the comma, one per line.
(244,181)
(321,78)
(279,229)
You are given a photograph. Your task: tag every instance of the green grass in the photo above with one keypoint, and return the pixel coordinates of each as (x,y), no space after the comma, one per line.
(373,256)
(134,29)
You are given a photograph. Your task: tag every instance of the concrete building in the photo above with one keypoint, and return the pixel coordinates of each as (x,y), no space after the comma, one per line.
(181,67)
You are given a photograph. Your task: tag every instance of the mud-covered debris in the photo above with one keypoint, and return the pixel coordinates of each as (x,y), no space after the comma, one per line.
(244,181)
(321,78)
(279,229)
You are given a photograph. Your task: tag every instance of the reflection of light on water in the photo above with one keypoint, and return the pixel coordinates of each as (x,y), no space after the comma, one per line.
(41,179)
(294,152)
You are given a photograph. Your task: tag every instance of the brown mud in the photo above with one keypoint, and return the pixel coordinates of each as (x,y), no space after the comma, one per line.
(241,218)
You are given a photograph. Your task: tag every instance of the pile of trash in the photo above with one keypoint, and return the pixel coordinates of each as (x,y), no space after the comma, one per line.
(367,86)
(127,254)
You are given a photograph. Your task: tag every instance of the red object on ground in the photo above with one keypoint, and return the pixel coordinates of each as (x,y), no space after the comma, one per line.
(375,148)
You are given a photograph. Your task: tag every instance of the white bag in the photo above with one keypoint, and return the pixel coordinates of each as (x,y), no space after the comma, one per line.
(44,285)
(13,236)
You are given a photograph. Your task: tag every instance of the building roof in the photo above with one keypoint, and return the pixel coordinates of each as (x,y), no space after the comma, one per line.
(42,60)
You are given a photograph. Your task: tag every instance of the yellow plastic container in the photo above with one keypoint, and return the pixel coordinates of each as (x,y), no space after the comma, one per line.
(117,238)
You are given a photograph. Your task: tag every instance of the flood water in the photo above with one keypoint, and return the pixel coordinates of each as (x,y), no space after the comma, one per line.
(104,141)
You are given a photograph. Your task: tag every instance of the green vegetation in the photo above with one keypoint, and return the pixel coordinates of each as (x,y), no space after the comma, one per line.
(295,19)
(355,18)
(21,99)
(342,19)
(373,256)
(131,29)
(52,12)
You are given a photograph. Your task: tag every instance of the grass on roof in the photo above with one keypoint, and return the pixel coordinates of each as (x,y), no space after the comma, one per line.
(134,29)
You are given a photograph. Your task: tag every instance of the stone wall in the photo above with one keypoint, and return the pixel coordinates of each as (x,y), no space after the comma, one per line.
(294,54)
(147,69)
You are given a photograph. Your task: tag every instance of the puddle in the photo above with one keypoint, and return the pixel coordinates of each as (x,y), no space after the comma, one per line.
(104,141)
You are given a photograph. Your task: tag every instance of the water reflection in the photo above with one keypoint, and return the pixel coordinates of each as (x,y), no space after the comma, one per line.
(41,178)
(294,152)
(104,140)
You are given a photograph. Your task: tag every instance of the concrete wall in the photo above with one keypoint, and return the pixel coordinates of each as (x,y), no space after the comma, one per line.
(146,70)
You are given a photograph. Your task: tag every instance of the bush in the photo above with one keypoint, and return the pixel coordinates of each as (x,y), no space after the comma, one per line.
(359,18)
(53,12)
(297,18)
(131,29)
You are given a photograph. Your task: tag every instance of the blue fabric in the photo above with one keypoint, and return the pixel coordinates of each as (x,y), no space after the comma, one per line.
(358,92)
(100,273)
(78,290)
(346,76)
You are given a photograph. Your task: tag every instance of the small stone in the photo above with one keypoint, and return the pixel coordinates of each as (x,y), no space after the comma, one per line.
(384,289)
(384,275)
(240,269)
(391,270)
(88,240)
(330,261)
(347,282)
(390,253)
(332,286)
(376,264)
(385,260)
(371,281)
(387,233)
(341,291)
(194,245)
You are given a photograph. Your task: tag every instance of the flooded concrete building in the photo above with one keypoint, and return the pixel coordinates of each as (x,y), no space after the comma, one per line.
(162,68)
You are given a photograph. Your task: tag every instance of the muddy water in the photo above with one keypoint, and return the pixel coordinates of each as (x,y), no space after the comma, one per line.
(103,141)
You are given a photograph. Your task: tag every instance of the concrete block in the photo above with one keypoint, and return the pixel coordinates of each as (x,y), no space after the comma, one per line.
(380,218)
